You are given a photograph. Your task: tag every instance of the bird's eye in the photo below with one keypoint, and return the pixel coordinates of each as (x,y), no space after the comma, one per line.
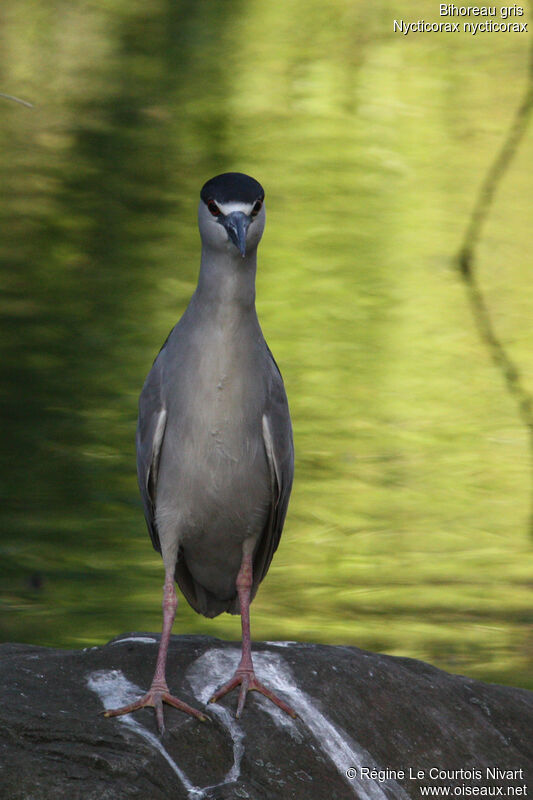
(257,208)
(213,208)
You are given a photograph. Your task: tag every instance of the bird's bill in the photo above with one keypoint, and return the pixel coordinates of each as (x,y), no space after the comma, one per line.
(236,225)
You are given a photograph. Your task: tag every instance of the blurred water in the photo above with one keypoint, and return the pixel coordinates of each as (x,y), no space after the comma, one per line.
(407,530)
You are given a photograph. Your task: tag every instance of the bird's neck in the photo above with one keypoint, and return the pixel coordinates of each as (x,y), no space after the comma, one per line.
(227,284)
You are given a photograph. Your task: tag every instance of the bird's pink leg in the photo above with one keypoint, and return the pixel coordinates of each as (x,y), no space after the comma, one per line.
(158,692)
(244,674)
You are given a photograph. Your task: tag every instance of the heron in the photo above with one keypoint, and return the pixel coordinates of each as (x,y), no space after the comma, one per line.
(215,455)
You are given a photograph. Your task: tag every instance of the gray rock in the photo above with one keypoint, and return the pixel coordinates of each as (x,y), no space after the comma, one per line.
(357,710)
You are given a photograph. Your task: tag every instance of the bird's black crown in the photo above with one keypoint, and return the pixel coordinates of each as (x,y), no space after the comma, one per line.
(232,187)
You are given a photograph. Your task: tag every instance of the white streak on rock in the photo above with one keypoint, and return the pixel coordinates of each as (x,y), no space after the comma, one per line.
(205,676)
(141,639)
(202,676)
(237,737)
(280,644)
(216,666)
(208,672)
(114,689)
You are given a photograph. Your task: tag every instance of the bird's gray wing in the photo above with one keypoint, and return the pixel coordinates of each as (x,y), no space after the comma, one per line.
(150,434)
(277,438)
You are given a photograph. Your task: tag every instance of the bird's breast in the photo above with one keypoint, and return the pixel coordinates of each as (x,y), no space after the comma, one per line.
(214,487)
(216,405)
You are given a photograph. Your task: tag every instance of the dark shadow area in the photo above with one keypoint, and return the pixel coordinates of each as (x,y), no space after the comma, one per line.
(95,189)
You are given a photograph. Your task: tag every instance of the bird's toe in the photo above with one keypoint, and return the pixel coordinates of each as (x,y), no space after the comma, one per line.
(248,682)
(155,697)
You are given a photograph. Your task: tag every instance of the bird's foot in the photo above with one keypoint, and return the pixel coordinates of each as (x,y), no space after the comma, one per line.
(249,683)
(155,697)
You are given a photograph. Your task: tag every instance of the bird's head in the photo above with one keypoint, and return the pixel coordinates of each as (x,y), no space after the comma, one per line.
(231,215)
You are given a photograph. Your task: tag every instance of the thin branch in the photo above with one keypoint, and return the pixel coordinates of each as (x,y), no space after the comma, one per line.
(16,100)
(466,264)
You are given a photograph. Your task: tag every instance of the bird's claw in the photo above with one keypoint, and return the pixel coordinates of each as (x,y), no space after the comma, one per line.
(249,683)
(155,697)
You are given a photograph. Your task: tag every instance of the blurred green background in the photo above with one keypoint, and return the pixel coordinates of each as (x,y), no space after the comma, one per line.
(408,526)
